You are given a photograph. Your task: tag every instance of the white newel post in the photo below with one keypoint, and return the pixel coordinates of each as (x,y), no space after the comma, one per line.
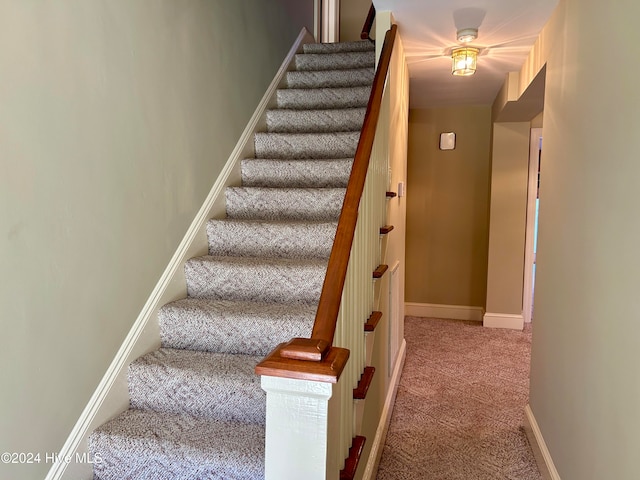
(302,429)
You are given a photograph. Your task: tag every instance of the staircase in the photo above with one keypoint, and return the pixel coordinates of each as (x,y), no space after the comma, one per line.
(197,409)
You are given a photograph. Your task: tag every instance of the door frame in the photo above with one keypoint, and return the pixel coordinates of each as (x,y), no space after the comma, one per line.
(327,20)
(529,256)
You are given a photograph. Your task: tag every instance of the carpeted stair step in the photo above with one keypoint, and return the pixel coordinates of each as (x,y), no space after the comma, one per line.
(255,279)
(327,98)
(335,61)
(355,46)
(315,121)
(359,77)
(205,384)
(257,203)
(296,173)
(275,239)
(224,326)
(292,146)
(146,445)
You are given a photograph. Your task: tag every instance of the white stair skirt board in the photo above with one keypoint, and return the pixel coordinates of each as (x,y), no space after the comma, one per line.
(385,418)
(453,312)
(503,320)
(111,396)
(539,447)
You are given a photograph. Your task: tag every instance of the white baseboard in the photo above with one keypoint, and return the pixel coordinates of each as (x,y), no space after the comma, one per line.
(503,320)
(453,312)
(539,447)
(111,396)
(385,418)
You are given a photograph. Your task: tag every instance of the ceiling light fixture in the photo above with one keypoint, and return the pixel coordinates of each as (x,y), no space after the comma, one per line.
(466,35)
(465,60)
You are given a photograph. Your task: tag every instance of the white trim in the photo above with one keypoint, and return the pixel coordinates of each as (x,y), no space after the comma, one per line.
(298,427)
(143,336)
(503,320)
(453,312)
(330,21)
(539,446)
(527,290)
(385,417)
(395,322)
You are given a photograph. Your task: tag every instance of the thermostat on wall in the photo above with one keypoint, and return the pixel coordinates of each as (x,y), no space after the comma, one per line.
(447,141)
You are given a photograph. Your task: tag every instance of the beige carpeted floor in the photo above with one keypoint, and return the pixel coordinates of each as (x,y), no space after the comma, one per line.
(459,412)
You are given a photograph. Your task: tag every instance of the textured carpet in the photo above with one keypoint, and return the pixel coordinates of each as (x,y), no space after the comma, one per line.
(197,410)
(459,412)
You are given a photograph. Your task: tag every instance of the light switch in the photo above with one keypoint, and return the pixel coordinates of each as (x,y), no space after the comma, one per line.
(447,141)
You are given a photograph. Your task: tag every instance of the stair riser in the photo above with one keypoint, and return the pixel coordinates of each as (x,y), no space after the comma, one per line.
(284,204)
(270,239)
(232,331)
(330,78)
(275,282)
(355,46)
(150,446)
(296,173)
(335,61)
(306,146)
(222,388)
(320,121)
(327,98)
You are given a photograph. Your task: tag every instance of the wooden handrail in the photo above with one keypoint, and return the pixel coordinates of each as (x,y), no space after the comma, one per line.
(329,305)
(316,348)
(368,23)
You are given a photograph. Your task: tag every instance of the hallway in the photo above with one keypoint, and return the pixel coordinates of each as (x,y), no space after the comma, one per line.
(459,412)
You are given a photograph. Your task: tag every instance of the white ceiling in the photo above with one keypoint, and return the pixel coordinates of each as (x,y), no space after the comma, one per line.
(507,31)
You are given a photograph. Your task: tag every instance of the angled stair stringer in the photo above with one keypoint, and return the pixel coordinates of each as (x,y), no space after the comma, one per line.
(196,410)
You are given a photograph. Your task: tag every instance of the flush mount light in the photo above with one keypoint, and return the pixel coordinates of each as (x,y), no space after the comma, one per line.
(466,35)
(465,60)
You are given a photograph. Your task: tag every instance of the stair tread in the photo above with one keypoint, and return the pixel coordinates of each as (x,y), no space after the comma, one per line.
(149,445)
(227,326)
(212,385)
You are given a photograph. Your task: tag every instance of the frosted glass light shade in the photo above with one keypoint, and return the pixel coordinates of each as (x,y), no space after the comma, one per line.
(465,60)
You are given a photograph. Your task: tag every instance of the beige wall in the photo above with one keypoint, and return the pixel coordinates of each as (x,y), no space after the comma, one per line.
(447,207)
(585,387)
(538,121)
(508,217)
(353,13)
(117,116)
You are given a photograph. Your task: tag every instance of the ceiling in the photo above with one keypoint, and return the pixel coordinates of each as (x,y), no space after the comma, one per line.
(507,29)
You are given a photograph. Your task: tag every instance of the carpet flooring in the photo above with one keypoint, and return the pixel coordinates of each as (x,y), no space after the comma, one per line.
(459,412)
